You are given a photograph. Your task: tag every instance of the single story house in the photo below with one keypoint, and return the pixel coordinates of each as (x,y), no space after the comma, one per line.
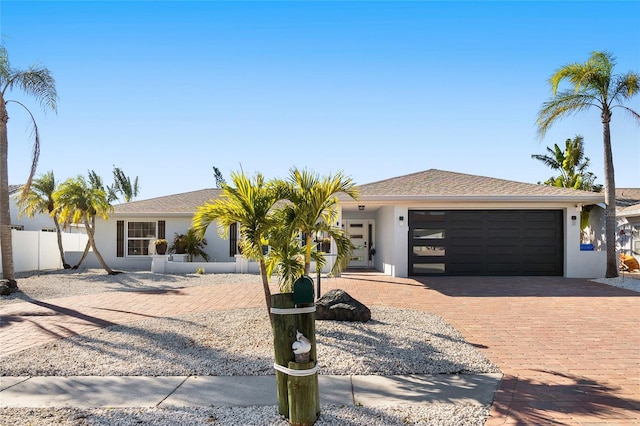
(432,222)
(628,217)
(39,222)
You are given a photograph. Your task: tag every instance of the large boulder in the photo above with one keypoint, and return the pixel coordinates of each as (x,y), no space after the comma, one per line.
(338,305)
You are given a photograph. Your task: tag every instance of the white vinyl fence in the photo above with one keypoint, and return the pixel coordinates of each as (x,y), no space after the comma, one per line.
(38,250)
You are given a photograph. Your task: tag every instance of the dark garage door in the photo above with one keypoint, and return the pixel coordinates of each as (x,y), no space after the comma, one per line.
(486,242)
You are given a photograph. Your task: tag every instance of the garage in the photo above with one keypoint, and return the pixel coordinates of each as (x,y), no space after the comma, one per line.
(486,242)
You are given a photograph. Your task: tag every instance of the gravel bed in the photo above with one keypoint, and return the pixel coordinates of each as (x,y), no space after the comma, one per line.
(52,284)
(240,342)
(235,342)
(433,415)
(622,282)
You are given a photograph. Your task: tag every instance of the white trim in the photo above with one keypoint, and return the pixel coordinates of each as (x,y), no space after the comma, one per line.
(296,373)
(292,311)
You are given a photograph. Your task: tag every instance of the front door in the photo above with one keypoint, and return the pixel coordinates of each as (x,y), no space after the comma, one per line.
(361,234)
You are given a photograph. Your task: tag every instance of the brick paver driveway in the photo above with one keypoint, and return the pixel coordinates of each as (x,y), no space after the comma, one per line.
(569,348)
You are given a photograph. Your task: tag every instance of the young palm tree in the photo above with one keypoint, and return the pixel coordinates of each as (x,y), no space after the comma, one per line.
(78,201)
(38,82)
(194,245)
(39,199)
(572,165)
(248,202)
(594,85)
(313,210)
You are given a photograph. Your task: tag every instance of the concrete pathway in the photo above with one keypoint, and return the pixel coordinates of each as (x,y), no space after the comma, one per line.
(569,348)
(238,391)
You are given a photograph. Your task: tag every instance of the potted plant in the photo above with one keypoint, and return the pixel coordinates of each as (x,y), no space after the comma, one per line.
(326,244)
(161,245)
(179,244)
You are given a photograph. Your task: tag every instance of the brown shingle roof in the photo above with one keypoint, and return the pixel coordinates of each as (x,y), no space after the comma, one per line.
(185,203)
(430,184)
(626,197)
(14,188)
(438,183)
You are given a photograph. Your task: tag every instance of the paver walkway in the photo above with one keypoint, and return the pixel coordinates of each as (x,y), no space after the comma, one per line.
(569,348)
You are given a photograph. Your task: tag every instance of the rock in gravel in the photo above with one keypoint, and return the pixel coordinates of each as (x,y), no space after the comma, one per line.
(8,286)
(339,305)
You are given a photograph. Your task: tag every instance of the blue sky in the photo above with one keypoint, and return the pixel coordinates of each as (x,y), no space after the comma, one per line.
(167,90)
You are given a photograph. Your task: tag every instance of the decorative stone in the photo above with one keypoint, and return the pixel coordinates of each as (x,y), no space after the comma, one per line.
(8,286)
(4,290)
(338,305)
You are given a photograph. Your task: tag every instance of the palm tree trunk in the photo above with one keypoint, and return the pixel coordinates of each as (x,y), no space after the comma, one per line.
(265,287)
(6,243)
(95,249)
(65,265)
(307,256)
(609,198)
(84,255)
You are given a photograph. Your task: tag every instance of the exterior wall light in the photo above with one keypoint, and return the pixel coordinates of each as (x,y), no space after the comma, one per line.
(361,207)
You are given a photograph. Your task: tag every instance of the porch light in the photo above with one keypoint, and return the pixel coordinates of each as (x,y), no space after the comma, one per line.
(361,207)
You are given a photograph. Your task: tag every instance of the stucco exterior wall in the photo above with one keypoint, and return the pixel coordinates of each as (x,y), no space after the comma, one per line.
(216,248)
(392,236)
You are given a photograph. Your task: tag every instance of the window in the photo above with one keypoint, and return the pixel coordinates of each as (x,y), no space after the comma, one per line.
(428,251)
(429,268)
(17,227)
(425,234)
(140,236)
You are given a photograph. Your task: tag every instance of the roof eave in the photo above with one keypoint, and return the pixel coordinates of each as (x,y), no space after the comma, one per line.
(392,199)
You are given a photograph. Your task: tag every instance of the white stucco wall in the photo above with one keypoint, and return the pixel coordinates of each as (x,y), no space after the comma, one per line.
(217,248)
(35,223)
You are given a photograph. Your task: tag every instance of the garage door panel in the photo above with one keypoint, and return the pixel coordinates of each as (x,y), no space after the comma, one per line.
(504,250)
(493,242)
(465,233)
(543,233)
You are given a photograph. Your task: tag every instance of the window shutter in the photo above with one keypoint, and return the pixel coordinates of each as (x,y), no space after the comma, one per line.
(161,227)
(233,239)
(120,238)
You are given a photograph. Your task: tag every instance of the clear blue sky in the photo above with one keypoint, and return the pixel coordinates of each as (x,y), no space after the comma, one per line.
(167,90)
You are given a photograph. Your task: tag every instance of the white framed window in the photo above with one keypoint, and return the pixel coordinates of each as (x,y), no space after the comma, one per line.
(140,236)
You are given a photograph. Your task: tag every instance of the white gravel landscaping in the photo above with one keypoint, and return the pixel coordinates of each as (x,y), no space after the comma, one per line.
(238,342)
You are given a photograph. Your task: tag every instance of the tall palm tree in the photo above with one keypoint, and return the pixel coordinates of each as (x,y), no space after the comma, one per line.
(79,201)
(572,165)
(594,86)
(248,202)
(38,82)
(313,210)
(39,199)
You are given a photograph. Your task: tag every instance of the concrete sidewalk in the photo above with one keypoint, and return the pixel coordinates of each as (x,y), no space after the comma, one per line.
(237,391)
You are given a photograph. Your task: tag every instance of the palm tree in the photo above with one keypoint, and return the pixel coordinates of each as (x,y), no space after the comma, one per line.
(39,199)
(572,165)
(248,202)
(217,175)
(38,82)
(313,210)
(123,185)
(194,245)
(79,201)
(286,255)
(594,85)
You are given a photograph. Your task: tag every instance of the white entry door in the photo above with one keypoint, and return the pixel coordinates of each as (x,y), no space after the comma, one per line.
(361,234)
